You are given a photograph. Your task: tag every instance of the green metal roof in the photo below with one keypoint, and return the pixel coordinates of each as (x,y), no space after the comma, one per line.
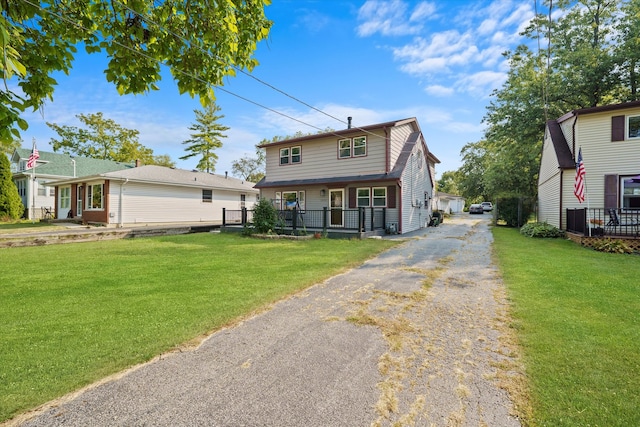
(60,164)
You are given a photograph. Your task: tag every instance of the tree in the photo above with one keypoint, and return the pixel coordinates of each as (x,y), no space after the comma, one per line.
(103,138)
(206,139)
(11,206)
(201,42)
(250,168)
(448,182)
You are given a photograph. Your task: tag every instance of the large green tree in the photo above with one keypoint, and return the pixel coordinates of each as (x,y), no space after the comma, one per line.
(11,206)
(587,56)
(103,138)
(200,41)
(206,138)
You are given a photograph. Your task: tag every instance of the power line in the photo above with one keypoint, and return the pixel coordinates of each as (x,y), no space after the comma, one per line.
(191,75)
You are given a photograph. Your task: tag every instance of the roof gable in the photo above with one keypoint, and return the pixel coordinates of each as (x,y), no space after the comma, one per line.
(560,145)
(62,164)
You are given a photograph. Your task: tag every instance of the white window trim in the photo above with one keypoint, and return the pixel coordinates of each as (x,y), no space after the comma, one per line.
(340,156)
(373,197)
(89,206)
(289,156)
(628,127)
(204,200)
(286,156)
(369,194)
(65,198)
(299,155)
(364,138)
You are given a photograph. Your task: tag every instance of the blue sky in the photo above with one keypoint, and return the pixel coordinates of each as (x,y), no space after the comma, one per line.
(375,61)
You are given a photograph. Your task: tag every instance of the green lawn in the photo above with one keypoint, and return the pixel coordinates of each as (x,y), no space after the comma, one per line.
(27,226)
(72,314)
(577,315)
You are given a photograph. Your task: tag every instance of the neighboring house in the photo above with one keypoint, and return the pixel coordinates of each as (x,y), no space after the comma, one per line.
(152,195)
(448,203)
(384,168)
(609,137)
(33,184)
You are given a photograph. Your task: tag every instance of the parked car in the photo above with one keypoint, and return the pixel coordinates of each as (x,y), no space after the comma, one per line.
(487,206)
(476,208)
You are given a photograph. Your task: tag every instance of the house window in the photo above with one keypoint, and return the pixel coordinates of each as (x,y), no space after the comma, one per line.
(22,187)
(295,154)
(356,147)
(631,192)
(207,196)
(290,155)
(42,190)
(380,197)
(65,197)
(344,148)
(360,146)
(95,196)
(293,199)
(278,200)
(284,156)
(364,197)
(633,126)
(52,191)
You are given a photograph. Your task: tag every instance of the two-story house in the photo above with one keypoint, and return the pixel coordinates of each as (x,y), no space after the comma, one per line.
(609,139)
(384,167)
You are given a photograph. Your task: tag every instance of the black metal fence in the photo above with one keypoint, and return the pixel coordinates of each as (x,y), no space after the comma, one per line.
(360,220)
(612,222)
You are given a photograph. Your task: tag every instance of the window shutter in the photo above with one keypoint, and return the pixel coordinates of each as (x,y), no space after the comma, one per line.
(352,198)
(391,196)
(617,128)
(610,191)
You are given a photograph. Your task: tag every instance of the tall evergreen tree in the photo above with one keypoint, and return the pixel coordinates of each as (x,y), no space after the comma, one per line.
(10,203)
(206,138)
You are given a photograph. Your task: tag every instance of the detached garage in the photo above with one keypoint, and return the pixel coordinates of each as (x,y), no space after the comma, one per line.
(151,195)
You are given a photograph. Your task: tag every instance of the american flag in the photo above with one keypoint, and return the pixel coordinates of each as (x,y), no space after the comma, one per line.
(578,186)
(33,157)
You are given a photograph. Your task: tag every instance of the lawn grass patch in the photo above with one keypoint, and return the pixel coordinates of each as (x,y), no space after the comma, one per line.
(27,226)
(76,313)
(577,315)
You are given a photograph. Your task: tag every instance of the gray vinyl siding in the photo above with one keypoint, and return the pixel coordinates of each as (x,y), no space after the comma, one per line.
(149,203)
(319,159)
(415,182)
(549,185)
(397,138)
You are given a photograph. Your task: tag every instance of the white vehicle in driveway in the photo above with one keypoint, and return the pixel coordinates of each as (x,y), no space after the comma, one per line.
(487,206)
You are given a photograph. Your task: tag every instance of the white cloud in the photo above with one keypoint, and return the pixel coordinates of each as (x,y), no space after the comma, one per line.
(439,91)
(481,83)
(393,17)
(424,10)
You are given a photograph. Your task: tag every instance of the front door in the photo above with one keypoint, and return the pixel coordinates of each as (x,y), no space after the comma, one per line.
(80,196)
(336,200)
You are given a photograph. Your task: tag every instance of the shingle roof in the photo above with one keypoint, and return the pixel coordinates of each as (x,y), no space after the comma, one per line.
(60,164)
(170,176)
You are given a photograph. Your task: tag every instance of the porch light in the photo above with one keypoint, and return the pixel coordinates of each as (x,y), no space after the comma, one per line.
(323,192)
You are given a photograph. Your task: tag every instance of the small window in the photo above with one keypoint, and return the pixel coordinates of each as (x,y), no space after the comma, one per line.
(289,199)
(631,192)
(65,197)
(302,204)
(344,148)
(380,197)
(207,196)
(284,156)
(633,127)
(364,197)
(278,200)
(360,146)
(52,191)
(295,154)
(42,190)
(95,196)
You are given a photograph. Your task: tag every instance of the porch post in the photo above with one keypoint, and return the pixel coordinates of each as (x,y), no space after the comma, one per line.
(244,216)
(224,216)
(361,219)
(294,220)
(372,215)
(324,219)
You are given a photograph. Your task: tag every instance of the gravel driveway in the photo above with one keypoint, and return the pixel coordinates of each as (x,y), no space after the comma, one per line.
(372,346)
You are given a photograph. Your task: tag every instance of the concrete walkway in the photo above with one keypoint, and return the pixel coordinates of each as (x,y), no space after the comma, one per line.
(372,346)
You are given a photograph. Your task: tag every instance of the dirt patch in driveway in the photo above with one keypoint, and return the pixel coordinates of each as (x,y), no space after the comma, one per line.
(414,336)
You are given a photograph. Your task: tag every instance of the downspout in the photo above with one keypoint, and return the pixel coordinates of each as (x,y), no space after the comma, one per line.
(121,198)
(561,181)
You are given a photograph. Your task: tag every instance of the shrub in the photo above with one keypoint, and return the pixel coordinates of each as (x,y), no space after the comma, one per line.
(541,229)
(265,216)
(515,212)
(613,246)
(10,202)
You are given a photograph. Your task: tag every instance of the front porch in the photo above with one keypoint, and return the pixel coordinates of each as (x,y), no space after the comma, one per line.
(587,226)
(361,222)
